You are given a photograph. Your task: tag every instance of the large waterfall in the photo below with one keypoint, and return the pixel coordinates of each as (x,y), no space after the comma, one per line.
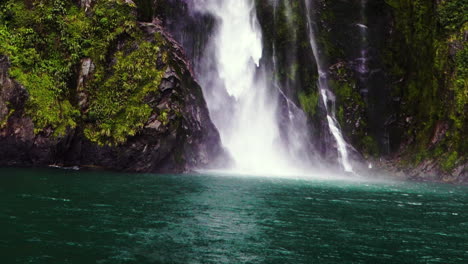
(263,129)
(242,102)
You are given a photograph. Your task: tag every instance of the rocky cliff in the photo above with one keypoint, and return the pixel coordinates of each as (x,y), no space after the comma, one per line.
(101,83)
(398,70)
(396,67)
(426,60)
(85,84)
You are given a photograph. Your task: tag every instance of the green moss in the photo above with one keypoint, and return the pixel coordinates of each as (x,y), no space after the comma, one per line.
(419,157)
(449,161)
(45,41)
(44,106)
(293,71)
(370,146)
(118,109)
(433,86)
(309,102)
(164,117)
(452,14)
(460,86)
(4,120)
(340,115)
(343,89)
(109,20)
(351,110)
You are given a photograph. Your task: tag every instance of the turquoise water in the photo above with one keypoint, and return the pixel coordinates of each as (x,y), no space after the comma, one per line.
(57,216)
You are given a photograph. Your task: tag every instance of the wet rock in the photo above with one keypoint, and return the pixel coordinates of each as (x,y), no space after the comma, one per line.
(20,145)
(179,135)
(85,4)
(439,132)
(86,70)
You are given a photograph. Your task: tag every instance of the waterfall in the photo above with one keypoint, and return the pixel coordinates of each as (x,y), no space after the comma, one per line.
(242,104)
(362,60)
(327,95)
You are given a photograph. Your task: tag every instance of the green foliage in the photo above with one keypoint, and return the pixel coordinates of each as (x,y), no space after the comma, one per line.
(452,14)
(341,116)
(462,61)
(344,90)
(449,161)
(46,40)
(309,102)
(460,86)
(118,109)
(110,19)
(370,146)
(434,82)
(351,114)
(164,117)
(43,105)
(4,119)
(293,71)
(42,51)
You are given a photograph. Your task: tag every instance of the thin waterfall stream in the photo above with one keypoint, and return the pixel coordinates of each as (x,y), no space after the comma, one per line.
(327,95)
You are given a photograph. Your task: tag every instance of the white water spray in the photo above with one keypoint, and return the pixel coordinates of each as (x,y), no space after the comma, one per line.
(362,60)
(242,105)
(327,95)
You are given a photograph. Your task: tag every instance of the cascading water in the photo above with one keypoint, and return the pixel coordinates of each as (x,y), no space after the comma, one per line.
(241,104)
(327,95)
(362,60)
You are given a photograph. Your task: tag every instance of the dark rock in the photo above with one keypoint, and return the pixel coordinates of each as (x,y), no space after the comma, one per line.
(439,132)
(20,145)
(85,4)
(86,70)
(187,141)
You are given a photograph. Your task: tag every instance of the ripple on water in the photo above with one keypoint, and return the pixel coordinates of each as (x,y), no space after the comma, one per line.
(99,217)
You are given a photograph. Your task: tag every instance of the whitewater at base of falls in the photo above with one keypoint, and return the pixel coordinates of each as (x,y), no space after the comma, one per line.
(241,103)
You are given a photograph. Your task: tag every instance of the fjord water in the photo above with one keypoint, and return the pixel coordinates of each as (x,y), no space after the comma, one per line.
(57,216)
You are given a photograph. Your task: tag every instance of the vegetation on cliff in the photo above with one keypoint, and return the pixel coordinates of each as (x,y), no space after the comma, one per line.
(416,115)
(285,37)
(46,41)
(117,95)
(410,105)
(88,83)
(428,61)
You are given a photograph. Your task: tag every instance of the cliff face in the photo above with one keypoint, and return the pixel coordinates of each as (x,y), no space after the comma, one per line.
(397,68)
(399,71)
(426,60)
(85,84)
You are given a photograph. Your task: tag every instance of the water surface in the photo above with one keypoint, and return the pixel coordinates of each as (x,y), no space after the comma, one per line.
(57,216)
